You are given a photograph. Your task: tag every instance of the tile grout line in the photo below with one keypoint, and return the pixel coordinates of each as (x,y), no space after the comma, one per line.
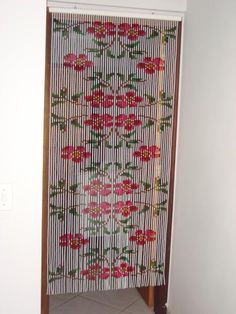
(129,305)
(65,302)
(101,303)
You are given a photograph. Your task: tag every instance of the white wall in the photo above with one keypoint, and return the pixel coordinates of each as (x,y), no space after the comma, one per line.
(204,249)
(22,25)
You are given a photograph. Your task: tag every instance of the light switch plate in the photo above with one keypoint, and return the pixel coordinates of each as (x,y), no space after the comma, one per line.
(5,196)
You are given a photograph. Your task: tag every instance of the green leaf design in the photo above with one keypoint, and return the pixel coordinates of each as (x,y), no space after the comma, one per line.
(124,221)
(137,52)
(78,30)
(75,122)
(96,134)
(145,209)
(93,50)
(122,55)
(99,43)
(121,76)
(118,145)
(76,96)
(132,56)
(124,258)
(73,272)
(110,54)
(127,174)
(62,126)
(133,45)
(146,185)
(109,76)
(118,165)
(98,85)
(73,211)
(129,135)
(153,34)
(148,124)
(150,98)
(130,86)
(107,144)
(74,187)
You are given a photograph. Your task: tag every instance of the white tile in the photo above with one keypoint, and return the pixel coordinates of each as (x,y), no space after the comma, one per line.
(59,299)
(118,299)
(80,305)
(139,307)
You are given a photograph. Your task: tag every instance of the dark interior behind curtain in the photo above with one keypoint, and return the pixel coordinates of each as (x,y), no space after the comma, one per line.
(112,87)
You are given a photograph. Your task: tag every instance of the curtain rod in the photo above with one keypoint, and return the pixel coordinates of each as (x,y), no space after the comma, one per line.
(106,10)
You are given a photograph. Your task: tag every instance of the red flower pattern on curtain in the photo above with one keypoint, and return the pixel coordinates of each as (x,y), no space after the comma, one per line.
(108,117)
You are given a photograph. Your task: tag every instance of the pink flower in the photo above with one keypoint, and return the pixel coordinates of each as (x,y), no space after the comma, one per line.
(130,99)
(78,63)
(150,66)
(99,122)
(142,237)
(95,210)
(129,122)
(101,30)
(73,241)
(132,31)
(96,271)
(76,154)
(69,60)
(125,208)
(145,153)
(122,271)
(125,187)
(96,187)
(99,99)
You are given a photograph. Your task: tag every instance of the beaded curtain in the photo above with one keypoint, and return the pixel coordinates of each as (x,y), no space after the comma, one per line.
(112,87)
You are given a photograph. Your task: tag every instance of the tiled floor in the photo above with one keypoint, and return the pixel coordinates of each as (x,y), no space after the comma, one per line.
(127,301)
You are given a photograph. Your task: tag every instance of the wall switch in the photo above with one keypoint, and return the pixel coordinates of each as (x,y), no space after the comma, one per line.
(5,196)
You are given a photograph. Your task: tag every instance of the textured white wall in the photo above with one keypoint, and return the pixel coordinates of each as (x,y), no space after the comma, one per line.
(204,247)
(22,25)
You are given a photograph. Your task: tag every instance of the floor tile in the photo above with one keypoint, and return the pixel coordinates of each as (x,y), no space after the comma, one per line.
(119,299)
(138,307)
(79,305)
(59,299)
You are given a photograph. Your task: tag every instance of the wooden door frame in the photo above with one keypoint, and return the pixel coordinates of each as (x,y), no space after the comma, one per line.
(161,292)
(44,296)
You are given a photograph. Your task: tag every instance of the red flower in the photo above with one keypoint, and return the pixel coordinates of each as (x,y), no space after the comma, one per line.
(98,122)
(79,63)
(95,210)
(125,208)
(69,60)
(132,31)
(99,99)
(142,238)
(123,270)
(125,187)
(100,30)
(96,271)
(98,188)
(76,154)
(73,241)
(150,65)
(130,99)
(145,153)
(129,122)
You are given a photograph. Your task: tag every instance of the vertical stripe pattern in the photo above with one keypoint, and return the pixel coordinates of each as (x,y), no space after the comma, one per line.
(112,89)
